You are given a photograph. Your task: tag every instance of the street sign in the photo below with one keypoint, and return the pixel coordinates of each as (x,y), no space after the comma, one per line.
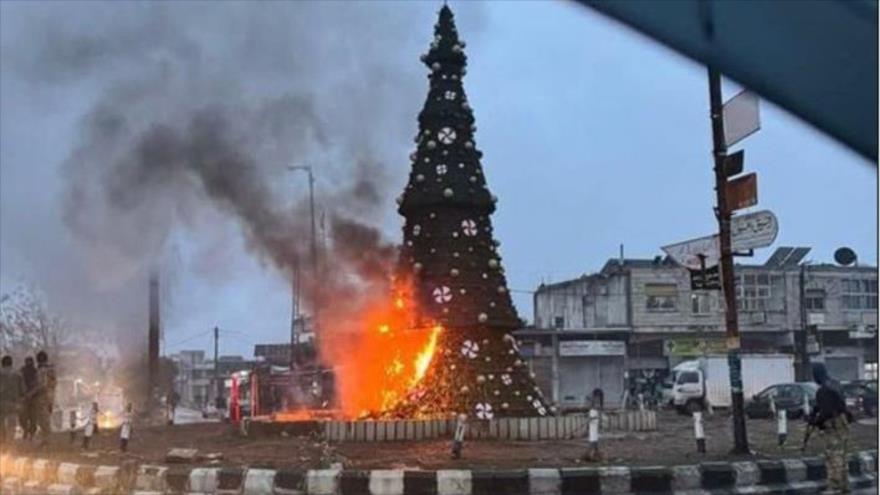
(733,164)
(592,348)
(708,279)
(742,192)
(689,253)
(753,230)
(741,117)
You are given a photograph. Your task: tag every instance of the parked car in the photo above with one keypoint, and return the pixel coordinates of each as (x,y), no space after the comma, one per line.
(786,396)
(860,397)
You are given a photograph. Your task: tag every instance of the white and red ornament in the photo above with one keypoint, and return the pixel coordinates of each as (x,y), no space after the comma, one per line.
(469,227)
(446,135)
(442,294)
(484,410)
(470,349)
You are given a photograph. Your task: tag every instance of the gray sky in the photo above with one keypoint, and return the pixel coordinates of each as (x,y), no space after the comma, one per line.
(592,136)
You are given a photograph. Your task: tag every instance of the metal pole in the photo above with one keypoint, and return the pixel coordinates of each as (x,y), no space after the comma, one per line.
(803,373)
(217,381)
(740,440)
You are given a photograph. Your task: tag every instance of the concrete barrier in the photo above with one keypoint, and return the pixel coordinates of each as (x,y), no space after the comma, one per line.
(798,475)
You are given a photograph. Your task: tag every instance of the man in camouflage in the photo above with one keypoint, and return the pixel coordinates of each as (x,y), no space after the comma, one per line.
(44,397)
(832,419)
(10,401)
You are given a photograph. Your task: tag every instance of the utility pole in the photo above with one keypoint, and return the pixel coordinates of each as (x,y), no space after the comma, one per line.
(313,248)
(723,213)
(803,371)
(219,384)
(153,337)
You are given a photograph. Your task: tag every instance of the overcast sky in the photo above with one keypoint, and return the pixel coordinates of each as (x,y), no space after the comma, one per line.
(593,136)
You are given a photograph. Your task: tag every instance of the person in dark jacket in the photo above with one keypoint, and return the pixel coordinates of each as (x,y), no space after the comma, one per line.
(832,419)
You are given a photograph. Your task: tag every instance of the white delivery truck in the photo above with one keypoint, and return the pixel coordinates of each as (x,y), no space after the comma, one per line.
(712,374)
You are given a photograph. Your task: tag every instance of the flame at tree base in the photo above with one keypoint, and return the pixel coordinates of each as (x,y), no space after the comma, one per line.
(382,360)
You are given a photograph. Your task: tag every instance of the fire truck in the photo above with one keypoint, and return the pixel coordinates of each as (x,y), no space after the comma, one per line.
(274,391)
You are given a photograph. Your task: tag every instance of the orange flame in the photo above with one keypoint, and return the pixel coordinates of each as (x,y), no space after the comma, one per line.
(381,361)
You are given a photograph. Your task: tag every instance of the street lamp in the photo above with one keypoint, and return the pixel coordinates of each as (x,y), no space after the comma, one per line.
(313,255)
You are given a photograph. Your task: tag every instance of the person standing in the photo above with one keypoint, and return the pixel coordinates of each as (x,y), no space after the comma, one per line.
(29,388)
(91,427)
(44,397)
(125,430)
(10,400)
(831,418)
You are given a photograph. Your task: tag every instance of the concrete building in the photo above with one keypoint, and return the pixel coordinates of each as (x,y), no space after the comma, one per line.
(195,375)
(640,317)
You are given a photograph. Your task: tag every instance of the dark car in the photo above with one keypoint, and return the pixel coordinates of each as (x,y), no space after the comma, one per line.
(786,396)
(860,397)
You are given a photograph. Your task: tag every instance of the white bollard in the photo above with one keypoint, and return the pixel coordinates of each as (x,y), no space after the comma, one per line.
(807,410)
(698,432)
(781,426)
(458,437)
(593,434)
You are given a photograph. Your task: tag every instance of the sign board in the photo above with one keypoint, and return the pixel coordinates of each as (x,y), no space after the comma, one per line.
(753,230)
(741,117)
(694,347)
(749,231)
(815,318)
(592,348)
(812,345)
(733,163)
(742,192)
(688,253)
(862,332)
(708,279)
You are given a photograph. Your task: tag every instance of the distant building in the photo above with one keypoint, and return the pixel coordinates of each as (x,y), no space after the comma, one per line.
(195,375)
(641,317)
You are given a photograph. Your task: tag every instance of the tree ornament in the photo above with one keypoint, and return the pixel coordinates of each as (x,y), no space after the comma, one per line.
(441,169)
(435,66)
(493,263)
(399,200)
(483,317)
(506,379)
(481,379)
(416,230)
(432,144)
(469,227)
(453,272)
(469,349)
(502,289)
(504,405)
(461,165)
(469,145)
(420,178)
(484,410)
(446,135)
(447,193)
(449,95)
(442,295)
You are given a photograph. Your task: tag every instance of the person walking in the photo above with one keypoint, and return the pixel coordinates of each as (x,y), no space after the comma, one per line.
(832,419)
(44,397)
(10,401)
(29,386)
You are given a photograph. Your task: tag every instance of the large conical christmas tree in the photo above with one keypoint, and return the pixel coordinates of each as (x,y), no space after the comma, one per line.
(451,260)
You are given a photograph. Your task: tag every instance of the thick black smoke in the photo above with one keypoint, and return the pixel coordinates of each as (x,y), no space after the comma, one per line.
(190,113)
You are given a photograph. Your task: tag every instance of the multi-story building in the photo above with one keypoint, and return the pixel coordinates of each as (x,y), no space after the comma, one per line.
(641,316)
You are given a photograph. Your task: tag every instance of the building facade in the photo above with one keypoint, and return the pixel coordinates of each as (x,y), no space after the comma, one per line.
(195,380)
(640,317)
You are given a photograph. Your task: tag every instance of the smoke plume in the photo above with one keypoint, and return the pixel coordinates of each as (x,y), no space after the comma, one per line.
(184,117)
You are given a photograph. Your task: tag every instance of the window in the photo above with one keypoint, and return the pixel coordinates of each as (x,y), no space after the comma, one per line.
(859,293)
(559,322)
(660,297)
(701,304)
(753,292)
(814,299)
(870,371)
(688,377)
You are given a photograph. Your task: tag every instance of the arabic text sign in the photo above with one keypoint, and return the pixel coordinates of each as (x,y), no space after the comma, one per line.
(688,253)
(592,348)
(741,117)
(754,230)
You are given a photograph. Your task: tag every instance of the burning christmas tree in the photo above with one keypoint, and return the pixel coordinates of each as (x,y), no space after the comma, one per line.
(450,260)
